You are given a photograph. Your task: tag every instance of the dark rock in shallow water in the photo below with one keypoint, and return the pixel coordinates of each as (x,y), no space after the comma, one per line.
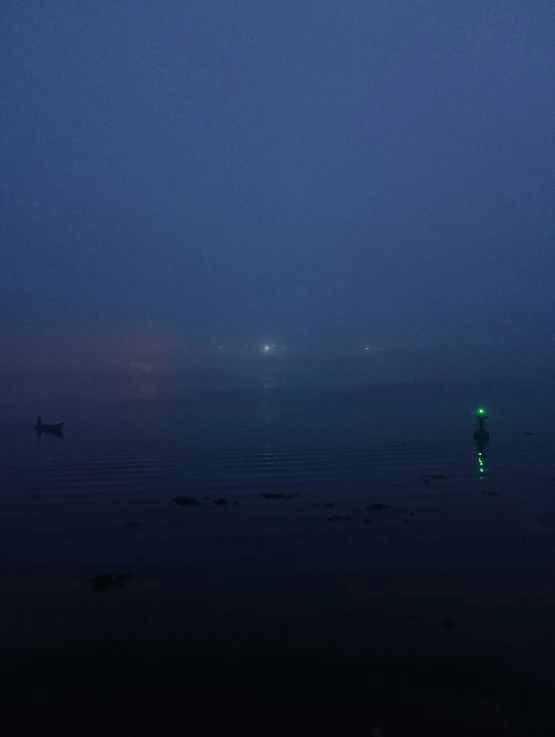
(378,507)
(220,502)
(186,501)
(234,504)
(337,518)
(367,521)
(132,524)
(106,580)
(448,624)
(278,495)
(330,505)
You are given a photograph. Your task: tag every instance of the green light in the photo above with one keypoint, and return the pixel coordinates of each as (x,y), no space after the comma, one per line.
(481,411)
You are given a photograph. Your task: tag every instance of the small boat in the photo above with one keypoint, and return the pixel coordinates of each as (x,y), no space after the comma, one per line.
(52,429)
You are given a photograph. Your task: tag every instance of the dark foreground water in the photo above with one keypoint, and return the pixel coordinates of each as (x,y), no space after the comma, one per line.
(296,602)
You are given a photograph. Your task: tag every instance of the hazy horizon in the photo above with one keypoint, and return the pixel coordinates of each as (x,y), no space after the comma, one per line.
(329,176)
(251,366)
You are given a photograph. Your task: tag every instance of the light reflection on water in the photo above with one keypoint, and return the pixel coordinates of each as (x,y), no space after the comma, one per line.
(101,499)
(158,409)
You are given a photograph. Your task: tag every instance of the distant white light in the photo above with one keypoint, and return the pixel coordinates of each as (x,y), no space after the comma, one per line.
(367,349)
(266,347)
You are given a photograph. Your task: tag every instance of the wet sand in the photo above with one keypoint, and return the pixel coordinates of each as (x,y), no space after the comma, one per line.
(297,675)
(436,617)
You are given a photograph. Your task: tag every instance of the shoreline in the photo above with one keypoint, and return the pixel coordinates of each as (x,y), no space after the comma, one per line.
(338,673)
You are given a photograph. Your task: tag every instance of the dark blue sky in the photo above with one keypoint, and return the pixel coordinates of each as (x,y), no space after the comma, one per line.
(331,173)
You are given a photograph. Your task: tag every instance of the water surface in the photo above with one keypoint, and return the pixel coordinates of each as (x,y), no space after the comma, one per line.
(453,544)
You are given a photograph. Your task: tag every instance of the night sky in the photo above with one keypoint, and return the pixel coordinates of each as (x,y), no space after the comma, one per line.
(327,174)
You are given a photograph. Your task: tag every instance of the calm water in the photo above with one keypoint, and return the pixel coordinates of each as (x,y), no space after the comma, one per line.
(101,497)
(474,548)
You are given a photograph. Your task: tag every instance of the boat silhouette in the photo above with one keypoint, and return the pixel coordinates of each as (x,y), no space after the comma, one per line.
(41,427)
